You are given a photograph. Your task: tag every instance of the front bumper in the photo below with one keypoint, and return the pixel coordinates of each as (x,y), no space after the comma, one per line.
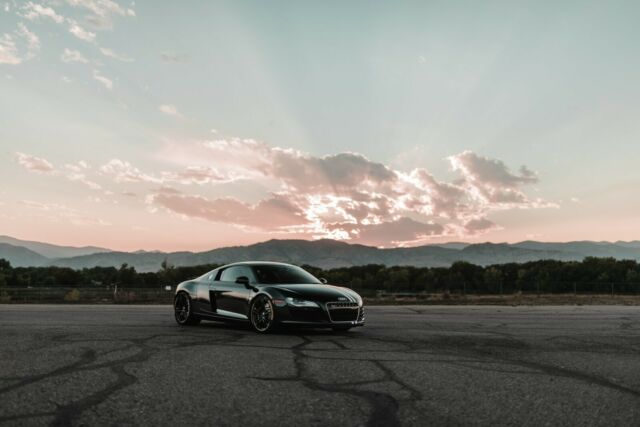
(322,317)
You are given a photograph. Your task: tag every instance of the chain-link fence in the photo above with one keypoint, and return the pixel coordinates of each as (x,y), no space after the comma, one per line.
(540,288)
(86,295)
(164,295)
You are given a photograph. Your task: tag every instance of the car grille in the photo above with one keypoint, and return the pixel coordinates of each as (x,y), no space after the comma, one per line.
(343,311)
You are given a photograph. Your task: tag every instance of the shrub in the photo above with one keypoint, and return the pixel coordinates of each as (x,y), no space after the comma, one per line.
(124,297)
(5,298)
(72,296)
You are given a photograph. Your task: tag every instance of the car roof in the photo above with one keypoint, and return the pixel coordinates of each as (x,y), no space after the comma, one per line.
(254,263)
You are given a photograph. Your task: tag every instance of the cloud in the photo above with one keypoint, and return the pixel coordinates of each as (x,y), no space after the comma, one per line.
(32,40)
(111,54)
(402,231)
(103,8)
(478,226)
(70,55)
(350,197)
(492,183)
(10,53)
(343,196)
(274,213)
(173,57)
(195,175)
(78,172)
(32,11)
(123,171)
(488,171)
(81,33)
(170,110)
(34,164)
(101,13)
(336,172)
(72,172)
(8,50)
(107,83)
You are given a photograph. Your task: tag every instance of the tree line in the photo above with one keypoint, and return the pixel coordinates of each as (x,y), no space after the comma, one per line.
(590,275)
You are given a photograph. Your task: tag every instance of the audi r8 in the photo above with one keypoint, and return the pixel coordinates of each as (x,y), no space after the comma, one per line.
(267,295)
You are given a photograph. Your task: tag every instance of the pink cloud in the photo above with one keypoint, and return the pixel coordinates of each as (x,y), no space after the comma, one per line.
(490,172)
(397,232)
(269,214)
(344,196)
(478,226)
(34,164)
(348,196)
(123,171)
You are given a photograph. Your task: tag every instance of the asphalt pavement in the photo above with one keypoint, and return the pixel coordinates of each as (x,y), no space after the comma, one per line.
(410,365)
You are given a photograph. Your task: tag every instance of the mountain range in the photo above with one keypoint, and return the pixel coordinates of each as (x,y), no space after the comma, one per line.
(320,253)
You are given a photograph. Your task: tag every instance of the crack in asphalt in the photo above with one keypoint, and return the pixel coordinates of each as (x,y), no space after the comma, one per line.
(384,407)
(65,414)
(385,395)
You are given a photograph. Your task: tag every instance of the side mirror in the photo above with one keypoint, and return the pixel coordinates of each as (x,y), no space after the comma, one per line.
(243,280)
(323,280)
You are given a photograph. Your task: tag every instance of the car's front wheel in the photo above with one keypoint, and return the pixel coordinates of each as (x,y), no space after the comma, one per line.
(262,315)
(183,310)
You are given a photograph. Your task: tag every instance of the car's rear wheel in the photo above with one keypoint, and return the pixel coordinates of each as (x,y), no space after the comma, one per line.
(262,315)
(183,309)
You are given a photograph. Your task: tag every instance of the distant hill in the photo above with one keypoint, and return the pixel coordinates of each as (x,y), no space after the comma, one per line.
(331,254)
(633,244)
(22,257)
(583,248)
(52,251)
(452,245)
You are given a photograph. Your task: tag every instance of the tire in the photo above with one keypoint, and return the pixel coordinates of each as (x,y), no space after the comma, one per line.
(262,315)
(341,328)
(183,310)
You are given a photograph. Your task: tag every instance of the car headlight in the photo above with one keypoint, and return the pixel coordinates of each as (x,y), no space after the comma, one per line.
(296,302)
(357,297)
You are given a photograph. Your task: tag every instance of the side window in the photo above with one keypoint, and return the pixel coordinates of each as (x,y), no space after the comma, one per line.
(208,277)
(232,273)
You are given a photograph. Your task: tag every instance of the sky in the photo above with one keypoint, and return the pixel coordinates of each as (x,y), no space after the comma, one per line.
(196,125)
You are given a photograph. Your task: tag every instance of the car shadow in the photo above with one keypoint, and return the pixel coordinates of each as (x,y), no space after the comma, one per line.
(289,330)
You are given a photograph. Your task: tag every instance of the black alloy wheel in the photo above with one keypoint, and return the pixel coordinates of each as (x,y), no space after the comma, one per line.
(183,310)
(261,314)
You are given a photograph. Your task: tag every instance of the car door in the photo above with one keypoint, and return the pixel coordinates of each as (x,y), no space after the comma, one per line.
(201,302)
(229,298)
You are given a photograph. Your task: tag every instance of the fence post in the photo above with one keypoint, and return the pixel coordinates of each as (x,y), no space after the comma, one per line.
(611,288)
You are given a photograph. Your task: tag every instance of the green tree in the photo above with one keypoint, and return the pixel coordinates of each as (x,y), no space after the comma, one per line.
(127,276)
(493,279)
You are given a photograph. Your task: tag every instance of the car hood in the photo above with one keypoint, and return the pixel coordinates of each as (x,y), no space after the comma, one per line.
(319,293)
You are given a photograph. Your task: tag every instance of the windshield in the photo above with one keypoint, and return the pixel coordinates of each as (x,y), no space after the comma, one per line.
(283,274)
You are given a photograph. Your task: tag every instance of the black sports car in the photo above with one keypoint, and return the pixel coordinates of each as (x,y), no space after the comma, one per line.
(267,294)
